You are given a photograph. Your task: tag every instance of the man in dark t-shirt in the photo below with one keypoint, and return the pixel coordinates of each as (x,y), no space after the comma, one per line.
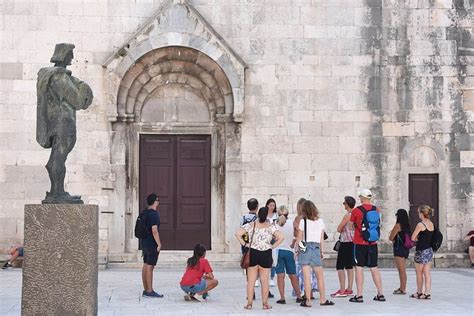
(470,237)
(151,245)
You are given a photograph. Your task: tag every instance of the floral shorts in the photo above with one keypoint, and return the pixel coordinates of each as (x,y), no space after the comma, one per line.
(424,256)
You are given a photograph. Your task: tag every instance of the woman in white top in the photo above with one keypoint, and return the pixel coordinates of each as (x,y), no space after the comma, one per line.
(286,257)
(311,231)
(261,233)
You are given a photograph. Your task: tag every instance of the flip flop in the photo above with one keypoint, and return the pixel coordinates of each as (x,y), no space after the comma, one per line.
(327,303)
(399,292)
(356,299)
(281,302)
(303,304)
(379,298)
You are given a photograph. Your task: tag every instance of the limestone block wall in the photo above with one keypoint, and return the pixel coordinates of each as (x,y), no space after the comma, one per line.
(339,95)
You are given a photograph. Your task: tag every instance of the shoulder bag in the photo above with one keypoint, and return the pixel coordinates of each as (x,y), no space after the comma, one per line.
(245,260)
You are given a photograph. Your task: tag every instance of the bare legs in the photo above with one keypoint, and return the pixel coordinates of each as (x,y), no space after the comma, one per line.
(307,283)
(252,273)
(210,284)
(471,254)
(342,279)
(264,274)
(375,277)
(402,272)
(294,284)
(359,280)
(419,277)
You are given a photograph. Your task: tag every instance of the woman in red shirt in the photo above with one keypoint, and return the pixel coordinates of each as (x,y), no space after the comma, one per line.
(198,278)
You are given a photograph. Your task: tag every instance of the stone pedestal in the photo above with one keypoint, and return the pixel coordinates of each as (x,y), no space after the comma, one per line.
(60,268)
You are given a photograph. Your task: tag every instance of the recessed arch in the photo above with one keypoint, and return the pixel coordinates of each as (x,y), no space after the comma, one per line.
(174,65)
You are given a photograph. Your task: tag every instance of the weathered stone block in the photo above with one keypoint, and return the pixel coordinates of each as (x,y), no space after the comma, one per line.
(398,129)
(60,267)
(11,70)
(467,159)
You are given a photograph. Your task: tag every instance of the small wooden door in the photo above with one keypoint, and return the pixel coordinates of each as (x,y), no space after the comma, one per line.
(423,189)
(178,169)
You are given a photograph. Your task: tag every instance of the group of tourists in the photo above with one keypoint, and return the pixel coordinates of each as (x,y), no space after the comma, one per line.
(295,248)
(271,240)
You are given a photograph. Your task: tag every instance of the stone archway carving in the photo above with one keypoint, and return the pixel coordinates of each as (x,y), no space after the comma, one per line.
(175,47)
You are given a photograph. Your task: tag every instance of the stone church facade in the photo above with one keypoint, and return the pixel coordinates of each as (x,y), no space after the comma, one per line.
(212,102)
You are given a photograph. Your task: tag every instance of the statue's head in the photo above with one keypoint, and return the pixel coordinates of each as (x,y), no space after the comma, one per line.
(63,54)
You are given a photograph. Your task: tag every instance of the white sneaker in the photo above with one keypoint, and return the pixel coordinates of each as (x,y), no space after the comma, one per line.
(199,298)
(257,284)
(272,283)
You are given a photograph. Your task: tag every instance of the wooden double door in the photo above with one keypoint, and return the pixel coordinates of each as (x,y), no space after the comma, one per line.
(178,169)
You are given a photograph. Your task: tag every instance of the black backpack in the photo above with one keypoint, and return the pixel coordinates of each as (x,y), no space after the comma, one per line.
(436,240)
(141,231)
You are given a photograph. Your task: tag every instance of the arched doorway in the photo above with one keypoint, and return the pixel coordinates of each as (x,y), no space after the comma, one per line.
(175,76)
(172,106)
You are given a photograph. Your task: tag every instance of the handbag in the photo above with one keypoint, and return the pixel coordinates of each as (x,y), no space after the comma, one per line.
(337,245)
(245,260)
(302,244)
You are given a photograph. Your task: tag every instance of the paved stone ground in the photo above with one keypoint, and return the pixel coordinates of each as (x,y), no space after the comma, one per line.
(119,294)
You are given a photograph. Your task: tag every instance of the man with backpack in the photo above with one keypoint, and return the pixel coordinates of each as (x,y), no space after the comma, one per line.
(366,220)
(151,243)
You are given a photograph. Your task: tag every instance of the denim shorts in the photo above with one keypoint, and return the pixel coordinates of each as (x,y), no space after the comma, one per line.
(201,286)
(286,261)
(312,255)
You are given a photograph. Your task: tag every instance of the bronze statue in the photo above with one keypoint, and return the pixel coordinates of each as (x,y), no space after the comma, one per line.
(60,95)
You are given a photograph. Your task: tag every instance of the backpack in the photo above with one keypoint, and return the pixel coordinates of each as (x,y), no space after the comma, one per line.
(141,231)
(436,240)
(370,229)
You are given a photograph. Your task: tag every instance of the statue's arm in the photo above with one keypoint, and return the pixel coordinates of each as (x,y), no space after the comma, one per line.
(75,92)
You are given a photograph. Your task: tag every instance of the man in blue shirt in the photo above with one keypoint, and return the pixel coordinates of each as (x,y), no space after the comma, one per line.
(151,245)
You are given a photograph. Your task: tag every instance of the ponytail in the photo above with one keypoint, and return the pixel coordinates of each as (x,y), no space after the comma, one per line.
(262,214)
(199,252)
(282,215)
(426,210)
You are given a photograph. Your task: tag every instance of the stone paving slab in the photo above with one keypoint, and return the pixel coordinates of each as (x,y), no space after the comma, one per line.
(119,294)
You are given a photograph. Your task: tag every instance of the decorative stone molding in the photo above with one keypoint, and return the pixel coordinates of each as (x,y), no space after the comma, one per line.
(189,46)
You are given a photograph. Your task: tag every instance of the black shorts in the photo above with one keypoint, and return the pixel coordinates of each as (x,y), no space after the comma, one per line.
(365,255)
(150,256)
(344,256)
(400,251)
(263,259)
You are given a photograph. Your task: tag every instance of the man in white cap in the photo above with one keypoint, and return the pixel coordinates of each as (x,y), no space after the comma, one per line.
(366,234)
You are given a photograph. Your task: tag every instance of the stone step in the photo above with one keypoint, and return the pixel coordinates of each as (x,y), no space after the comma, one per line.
(173,259)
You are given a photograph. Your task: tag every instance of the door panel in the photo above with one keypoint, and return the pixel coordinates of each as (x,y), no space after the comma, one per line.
(193,193)
(177,168)
(423,189)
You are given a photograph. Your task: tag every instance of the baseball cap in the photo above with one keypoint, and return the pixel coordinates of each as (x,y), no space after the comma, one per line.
(365,193)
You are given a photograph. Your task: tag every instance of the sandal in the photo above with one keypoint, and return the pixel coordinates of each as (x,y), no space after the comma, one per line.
(356,299)
(304,297)
(416,295)
(266,306)
(281,302)
(303,304)
(379,298)
(425,297)
(248,306)
(327,303)
(399,291)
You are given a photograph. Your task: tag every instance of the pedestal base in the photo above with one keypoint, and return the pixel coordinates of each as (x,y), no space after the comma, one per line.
(60,268)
